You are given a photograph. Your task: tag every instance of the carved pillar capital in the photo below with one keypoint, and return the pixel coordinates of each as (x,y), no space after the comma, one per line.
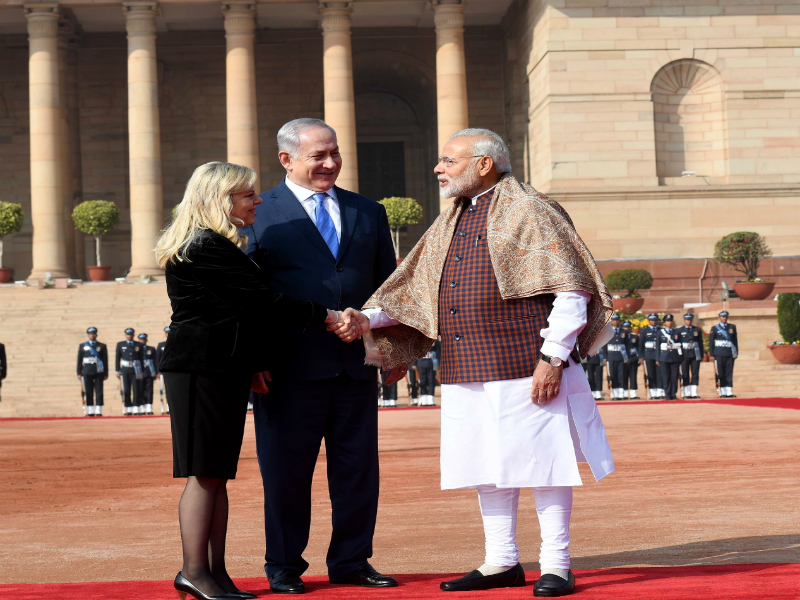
(240,16)
(42,19)
(335,16)
(140,17)
(448,14)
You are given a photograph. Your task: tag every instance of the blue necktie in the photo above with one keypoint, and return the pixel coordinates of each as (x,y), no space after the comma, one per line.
(325,224)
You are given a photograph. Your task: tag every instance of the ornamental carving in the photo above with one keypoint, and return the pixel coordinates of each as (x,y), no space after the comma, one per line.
(239,17)
(448,14)
(335,16)
(140,17)
(42,20)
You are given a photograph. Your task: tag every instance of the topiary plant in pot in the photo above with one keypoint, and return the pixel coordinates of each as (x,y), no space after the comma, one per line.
(629,280)
(402,212)
(743,251)
(96,218)
(11,218)
(788,352)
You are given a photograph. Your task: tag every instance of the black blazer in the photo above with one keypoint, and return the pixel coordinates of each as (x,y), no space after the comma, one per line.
(295,260)
(225,318)
(3,365)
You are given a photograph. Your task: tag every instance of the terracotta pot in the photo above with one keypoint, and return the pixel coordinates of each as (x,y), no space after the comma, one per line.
(787,355)
(5,275)
(99,273)
(755,290)
(628,306)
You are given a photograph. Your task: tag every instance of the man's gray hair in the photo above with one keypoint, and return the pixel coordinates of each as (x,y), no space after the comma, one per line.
(488,143)
(289,134)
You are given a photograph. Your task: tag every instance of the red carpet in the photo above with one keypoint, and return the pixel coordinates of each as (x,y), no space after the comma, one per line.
(711,582)
(790,403)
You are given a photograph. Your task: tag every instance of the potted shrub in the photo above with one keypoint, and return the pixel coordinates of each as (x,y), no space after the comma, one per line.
(788,351)
(402,212)
(11,217)
(629,280)
(743,251)
(96,218)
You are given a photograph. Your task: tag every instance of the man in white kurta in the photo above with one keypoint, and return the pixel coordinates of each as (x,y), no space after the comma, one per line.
(517,410)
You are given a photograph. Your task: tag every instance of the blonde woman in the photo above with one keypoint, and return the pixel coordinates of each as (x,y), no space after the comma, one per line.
(223,321)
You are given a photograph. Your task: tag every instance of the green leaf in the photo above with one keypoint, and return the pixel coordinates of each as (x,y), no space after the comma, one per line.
(402,212)
(629,280)
(95,217)
(743,251)
(11,218)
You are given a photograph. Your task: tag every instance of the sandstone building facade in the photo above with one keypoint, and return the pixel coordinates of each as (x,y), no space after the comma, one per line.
(661,125)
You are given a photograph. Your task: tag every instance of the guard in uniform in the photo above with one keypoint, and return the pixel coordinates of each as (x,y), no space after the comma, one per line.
(670,356)
(129,371)
(388,392)
(427,379)
(618,354)
(93,371)
(593,365)
(648,354)
(631,369)
(159,354)
(3,367)
(412,380)
(149,375)
(723,347)
(692,344)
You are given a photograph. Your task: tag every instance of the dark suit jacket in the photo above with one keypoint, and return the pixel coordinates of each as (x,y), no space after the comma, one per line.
(3,365)
(225,318)
(295,260)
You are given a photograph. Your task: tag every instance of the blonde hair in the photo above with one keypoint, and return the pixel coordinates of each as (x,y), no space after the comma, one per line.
(206,204)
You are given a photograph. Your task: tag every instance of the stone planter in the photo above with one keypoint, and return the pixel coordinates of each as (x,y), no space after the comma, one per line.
(787,355)
(628,306)
(755,290)
(99,273)
(5,275)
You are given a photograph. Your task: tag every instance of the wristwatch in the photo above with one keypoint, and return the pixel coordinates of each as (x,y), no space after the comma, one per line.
(553,360)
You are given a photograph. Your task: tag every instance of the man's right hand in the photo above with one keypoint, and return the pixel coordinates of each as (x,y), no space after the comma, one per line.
(352,325)
(118,376)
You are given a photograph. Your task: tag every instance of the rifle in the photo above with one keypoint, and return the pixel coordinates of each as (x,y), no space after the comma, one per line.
(161,392)
(83,396)
(608,379)
(646,380)
(121,395)
(716,376)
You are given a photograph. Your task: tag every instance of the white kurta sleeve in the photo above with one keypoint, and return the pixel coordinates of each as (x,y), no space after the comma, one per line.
(378,318)
(566,321)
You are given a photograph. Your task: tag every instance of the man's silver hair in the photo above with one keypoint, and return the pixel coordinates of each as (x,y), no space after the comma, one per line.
(488,143)
(289,134)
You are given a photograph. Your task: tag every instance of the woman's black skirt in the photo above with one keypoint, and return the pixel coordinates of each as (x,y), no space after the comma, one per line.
(207,416)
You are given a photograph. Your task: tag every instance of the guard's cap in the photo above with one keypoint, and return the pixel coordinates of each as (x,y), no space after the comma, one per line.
(142,336)
(688,316)
(91,330)
(166,329)
(652,317)
(724,313)
(668,318)
(130,331)
(615,317)
(626,323)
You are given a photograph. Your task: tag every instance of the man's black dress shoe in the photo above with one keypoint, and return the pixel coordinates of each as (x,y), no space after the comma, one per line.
(514,577)
(365,576)
(552,586)
(286,582)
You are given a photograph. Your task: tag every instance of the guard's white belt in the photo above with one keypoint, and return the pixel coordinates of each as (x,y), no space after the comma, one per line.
(649,344)
(89,360)
(126,363)
(665,347)
(688,345)
(615,347)
(722,343)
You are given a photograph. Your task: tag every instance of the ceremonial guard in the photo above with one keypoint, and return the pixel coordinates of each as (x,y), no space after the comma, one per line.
(631,369)
(692,344)
(92,372)
(618,355)
(593,365)
(388,392)
(723,347)
(648,354)
(159,354)
(427,379)
(129,371)
(3,366)
(149,374)
(670,356)
(412,380)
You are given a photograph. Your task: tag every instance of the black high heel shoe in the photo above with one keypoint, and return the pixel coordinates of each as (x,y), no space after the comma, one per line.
(242,594)
(184,587)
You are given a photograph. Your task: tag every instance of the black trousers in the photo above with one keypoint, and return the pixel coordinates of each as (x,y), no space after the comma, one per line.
(616,368)
(631,375)
(651,371)
(594,373)
(93,386)
(427,380)
(291,422)
(669,379)
(130,388)
(389,392)
(725,370)
(412,381)
(145,391)
(690,372)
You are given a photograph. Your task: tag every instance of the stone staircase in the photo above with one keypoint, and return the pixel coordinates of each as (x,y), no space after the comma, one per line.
(42,329)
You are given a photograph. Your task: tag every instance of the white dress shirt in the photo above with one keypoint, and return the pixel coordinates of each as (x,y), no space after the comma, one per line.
(306,199)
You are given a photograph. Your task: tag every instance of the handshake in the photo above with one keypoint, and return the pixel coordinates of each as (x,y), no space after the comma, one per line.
(349,324)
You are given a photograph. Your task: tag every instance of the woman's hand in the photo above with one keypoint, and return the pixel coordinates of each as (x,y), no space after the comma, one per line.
(350,325)
(258,382)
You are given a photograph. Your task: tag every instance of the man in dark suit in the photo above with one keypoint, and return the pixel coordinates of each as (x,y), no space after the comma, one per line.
(3,366)
(316,241)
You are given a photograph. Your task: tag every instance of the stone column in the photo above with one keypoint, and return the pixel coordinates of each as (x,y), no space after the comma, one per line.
(47,186)
(144,138)
(451,71)
(337,67)
(240,85)
(67,62)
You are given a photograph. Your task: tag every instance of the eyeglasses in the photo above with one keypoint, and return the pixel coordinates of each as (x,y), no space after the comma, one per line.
(449,161)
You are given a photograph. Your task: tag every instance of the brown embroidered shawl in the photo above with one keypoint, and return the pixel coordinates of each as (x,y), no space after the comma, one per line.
(534,250)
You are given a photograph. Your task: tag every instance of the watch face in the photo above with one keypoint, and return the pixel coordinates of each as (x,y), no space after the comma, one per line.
(556,362)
